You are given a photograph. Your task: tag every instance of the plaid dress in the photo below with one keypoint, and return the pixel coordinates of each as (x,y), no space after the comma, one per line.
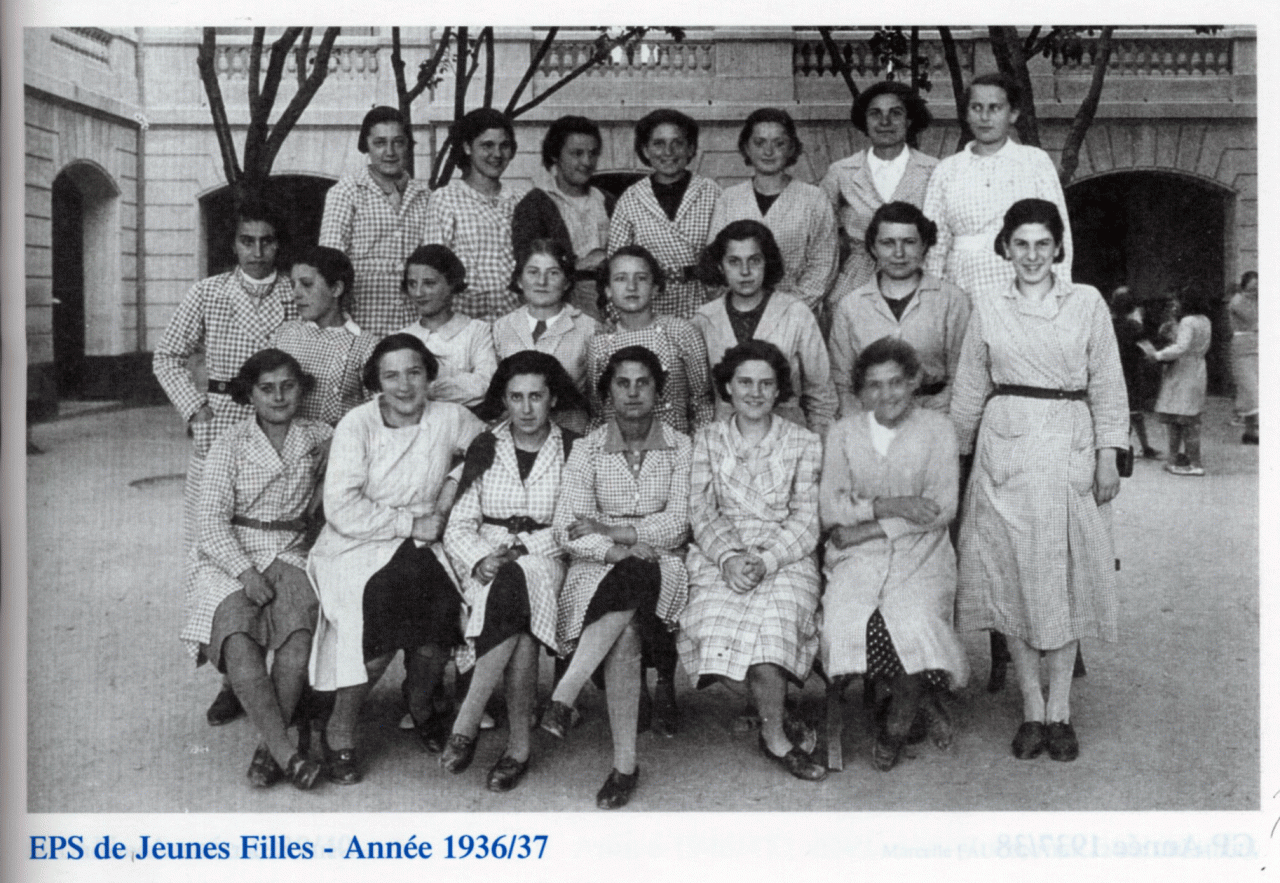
(500,493)
(804,225)
(967,197)
(638,219)
(1036,554)
(598,483)
(335,357)
(763,499)
(686,402)
(478,229)
(361,220)
(245,476)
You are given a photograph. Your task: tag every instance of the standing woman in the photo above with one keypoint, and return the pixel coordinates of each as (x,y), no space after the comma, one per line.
(744,257)
(376,217)
(623,516)
(798,214)
(378,567)
(669,212)
(753,579)
(544,322)
(970,191)
(472,214)
(567,207)
(1243,315)
(889,114)
(501,544)
(629,281)
(1040,384)
(1182,386)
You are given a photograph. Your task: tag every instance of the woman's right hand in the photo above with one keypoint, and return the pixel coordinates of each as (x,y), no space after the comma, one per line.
(427,528)
(487,568)
(917,510)
(743,572)
(204,415)
(256,587)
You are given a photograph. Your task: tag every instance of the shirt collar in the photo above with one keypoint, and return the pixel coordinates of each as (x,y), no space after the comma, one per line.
(877,164)
(453,327)
(258,285)
(1005,149)
(399,185)
(656,440)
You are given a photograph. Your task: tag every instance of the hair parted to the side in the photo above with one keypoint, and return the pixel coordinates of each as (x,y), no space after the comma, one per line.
(918,115)
(638,354)
(1031,211)
(650,121)
(898,212)
(471,127)
(711,258)
(441,259)
(754,350)
(390,344)
(886,349)
(382,114)
(241,386)
(566,393)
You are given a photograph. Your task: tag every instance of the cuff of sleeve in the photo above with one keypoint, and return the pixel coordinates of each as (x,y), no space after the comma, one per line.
(404,523)
(894,527)
(770,563)
(191,412)
(725,556)
(239,565)
(864,510)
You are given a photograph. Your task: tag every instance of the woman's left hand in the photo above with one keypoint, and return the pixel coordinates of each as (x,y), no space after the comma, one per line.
(583,526)
(1106,478)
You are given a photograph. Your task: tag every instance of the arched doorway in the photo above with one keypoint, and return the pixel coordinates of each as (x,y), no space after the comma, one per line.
(1153,231)
(300,197)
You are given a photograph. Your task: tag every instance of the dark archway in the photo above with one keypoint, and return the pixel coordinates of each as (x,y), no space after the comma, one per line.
(1153,231)
(301,197)
(68,286)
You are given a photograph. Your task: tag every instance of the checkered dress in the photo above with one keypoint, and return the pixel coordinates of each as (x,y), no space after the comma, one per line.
(967,198)
(804,226)
(638,219)
(1036,555)
(600,485)
(478,229)
(761,499)
(335,357)
(361,220)
(245,476)
(685,402)
(500,493)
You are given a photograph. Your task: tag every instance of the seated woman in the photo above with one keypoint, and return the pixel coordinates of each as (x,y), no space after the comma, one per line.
(623,515)
(744,259)
(463,346)
(378,568)
(251,594)
(888,491)
(628,282)
(753,579)
(500,542)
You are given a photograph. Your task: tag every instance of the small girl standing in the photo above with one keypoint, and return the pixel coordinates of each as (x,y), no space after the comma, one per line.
(1182,387)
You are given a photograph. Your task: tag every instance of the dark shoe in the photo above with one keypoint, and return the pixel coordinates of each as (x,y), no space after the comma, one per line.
(885,751)
(506,774)
(1029,741)
(666,717)
(747,722)
(1150,454)
(557,719)
(1249,438)
(796,762)
(1062,742)
(434,732)
(225,708)
(938,721)
(617,789)
(458,752)
(800,734)
(342,765)
(263,769)
(303,772)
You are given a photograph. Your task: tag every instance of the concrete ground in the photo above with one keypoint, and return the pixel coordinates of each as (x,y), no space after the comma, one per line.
(1168,717)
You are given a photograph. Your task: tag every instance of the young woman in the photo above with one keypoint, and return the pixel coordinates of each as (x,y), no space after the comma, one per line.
(376,217)
(251,594)
(622,515)
(753,580)
(472,214)
(325,341)
(1039,384)
(378,568)
(463,346)
(501,544)
(798,214)
(669,212)
(744,259)
(629,281)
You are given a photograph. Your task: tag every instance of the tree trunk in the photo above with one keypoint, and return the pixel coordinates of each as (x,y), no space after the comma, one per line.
(1006,45)
(206,63)
(952,56)
(1088,109)
(837,61)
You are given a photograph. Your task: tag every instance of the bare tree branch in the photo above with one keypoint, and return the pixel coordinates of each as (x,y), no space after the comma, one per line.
(486,37)
(837,60)
(206,62)
(538,57)
(1006,45)
(1088,108)
(255,66)
(256,167)
(460,75)
(300,56)
(292,113)
(427,72)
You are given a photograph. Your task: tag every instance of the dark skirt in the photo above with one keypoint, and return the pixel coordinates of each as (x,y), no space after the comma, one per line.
(409,603)
(506,609)
(293,609)
(634,584)
(883,662)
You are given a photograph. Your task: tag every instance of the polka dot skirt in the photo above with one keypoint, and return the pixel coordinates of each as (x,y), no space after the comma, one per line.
(882,658)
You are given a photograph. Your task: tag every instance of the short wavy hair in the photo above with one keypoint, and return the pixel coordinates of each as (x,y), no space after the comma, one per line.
(639,354)
(1032,211)
(333,266)
(241,386)
(650,121)
(753,350)
(918,115)
(441,259)
(886,349)
(382,114)
(559,133)
(709,269)
(770,115)
(898,212)
(472,126)
(393,343)
(568,396)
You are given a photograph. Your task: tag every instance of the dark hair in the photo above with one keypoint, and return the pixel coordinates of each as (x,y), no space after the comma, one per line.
(334,266)
(1123,300)
(918,116)
(709,261)
(605,271)
(1249,276)
(1010,86)
(639,354)
(898,212)
(664,115)
(393,343)
(382,114)
(471,127)
(1031,211)
(241,386)
(770,115)
(256,208)
(886,349)
(568,396)
(753,350)
(554,248)
(559,133)
(441,259)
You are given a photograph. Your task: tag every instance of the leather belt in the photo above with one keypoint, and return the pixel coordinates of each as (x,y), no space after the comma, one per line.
(221,387)
(1038,392)
(517,523)
(291,525)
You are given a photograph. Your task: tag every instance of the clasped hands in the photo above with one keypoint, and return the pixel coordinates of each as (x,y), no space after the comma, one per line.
(917,510)
(259,587)
(743,571)
(626,542)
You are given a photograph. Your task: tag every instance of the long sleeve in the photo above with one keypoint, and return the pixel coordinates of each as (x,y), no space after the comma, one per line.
(935,203)
(822,252)
(669,528)
(957,322)
(817,392)
(941,485)
(622,230)
(346,507)
(1108,396)
(837,504)
(1181,343)
(693,352)
(339,216)
(714,533)
(462,540)
(843,356)
(972,383)
(578,498)
(185,335)
(799,534)
(440,226)
(217,506)
(719,216)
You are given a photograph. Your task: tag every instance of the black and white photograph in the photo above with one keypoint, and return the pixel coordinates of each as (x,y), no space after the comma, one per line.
(742,436)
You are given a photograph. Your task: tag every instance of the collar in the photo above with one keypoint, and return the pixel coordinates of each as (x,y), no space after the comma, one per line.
(568,312)
(766,444)
(876,164)
(656,440)
(388,187)
(261,286)
(449,330)
(1048,307)
(1009,146)
(871,288)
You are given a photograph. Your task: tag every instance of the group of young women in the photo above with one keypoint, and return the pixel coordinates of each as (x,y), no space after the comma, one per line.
(682,470)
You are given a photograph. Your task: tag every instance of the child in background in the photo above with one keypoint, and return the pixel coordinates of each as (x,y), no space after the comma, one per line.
(1182,387)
